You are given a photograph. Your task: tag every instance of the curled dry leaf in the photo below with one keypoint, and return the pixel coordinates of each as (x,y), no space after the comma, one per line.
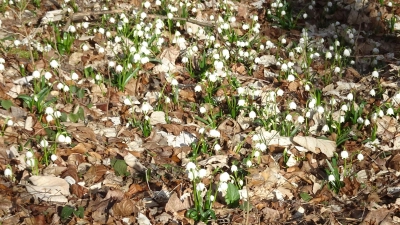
(124,208)
(174,204)
(49,188)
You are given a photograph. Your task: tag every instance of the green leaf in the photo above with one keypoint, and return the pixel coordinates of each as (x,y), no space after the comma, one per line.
(120,167)
(80,212)
(6,104)
(305,196)
(232,195)
(66,212)
(73,117)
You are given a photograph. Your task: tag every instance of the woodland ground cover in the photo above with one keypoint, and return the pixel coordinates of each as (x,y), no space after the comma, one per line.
(184,112)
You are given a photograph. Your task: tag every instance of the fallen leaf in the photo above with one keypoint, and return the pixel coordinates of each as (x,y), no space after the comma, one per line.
(316,145)
(174,204)
(48,188)
(125,208)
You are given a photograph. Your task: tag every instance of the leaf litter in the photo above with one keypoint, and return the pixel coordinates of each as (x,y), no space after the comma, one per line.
(120,176)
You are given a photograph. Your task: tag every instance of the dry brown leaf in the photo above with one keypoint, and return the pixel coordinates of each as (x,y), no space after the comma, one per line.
(316,145)
(175,129)
(133,189)
(95,173)
(78,190)
(80,148)
(174,204)
(124,208)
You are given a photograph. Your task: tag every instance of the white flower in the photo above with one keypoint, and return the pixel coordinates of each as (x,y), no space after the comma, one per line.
(256,154)
(381,113)
(344,108)
(190,166)
(320,109)
(337,70)
(147,4)
(174,82)
(202,130)
(36,74)
(283,12)
(283,41)
(261,146)
(240,90)
(325,128)
(49,118)
(53,157)
(61,138)
(367,122)
(331,178)
(360,156)
(284,67)
(60,86)
(328,55)
(234,168)
(241,102)
(245,27)
(145,107)
(360,120)
(389,4)
(85,47)
(344,154)
(119,69)
(74,76)
(214,133)
(65,88)
(10,122)
(68,140)
(375,74)
(252,115)
(28,154)
(224,177)
(111,64)
(200,187)
(372,92)
(202,173)
(300,119)
(54,64)
(375,50)
(49,110)
(249,163)
(289,117)
(202,110)
(346,52)
(307,87)
(291,78)
(279,92)
(57,114)
(43,143)
(292,105)
(217,147)
(222,187)
(350,96)
(7,172)
(390,111)
(305,15)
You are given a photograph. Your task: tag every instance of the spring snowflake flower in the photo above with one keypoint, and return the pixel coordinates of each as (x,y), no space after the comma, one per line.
(375,50)
(54,64)
(60,86)
(375,74)
(325,128)
(234,168)
(217,147)
(10,122)
(300,119)
(350,97)
(360,120)
(280,92)
(49,118)
(197,88)
(7,172)
(68,140)
(328,55)
(249,163)
(65,88)
(289,117)
(256,154)
(200,187)
(307,87)
(43,143)
(145,107)
(29,155)
(367,122)
(49,111)
(48,75)
(390,111)
(320,109)
(360,157)
(305,15)
(240,90)
(252,115)
(284,67)
(344,154)
(241,102)
(72,29)
(214,133)
(223,187)
(292,105)
(202,110)
(283,12)
(53,157)
(202,173)
(346,52)
(283,41)
(389,4)
(224,177)
(337,70)
(291,78)
(344,108)
(61,138)
(119,69)
(36,74)
(331,178)
(312,103)
(245,27)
